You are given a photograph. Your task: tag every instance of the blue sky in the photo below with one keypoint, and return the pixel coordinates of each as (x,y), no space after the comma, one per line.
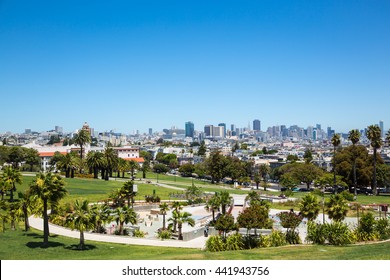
(128,65)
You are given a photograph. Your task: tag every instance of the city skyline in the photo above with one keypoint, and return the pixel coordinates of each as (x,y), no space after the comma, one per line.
(131,65)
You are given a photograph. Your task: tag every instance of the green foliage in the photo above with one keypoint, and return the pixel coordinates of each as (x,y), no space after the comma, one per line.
(234,242)
(309,207)
(366,228)
(382,227)
(215,244)
(316,233)
(338,234)
(255,216)
(139,233)
(292,237)
(347,195)
(276,239)
(289,220)
(336,207)
(225,223)
(164,234)
(251,242)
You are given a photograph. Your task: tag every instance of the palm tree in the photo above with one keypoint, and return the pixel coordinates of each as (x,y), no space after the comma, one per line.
(4,215)
(11,177)
(335,142)
(68,163)
(125,215)
(164,207)
(46,187)
(101,214)
(95,161)
(123,166)
(80,219)
(225,200)
(128,191)
(176,207)
(213,204)
(82,138)
(257,180)
(3,188)
(133,165)
(354,137)
(337,207)
(309,207)
(111,159)
(25,205)
(374,135)
(180,218)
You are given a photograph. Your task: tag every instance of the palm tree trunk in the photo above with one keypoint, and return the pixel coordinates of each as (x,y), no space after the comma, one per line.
(72,173)
(95,173)
(45,225)
(121,228)
(82,240)
(26,221)
(164,222)
(180,231)
(334,166)
(374,189)
(12,193)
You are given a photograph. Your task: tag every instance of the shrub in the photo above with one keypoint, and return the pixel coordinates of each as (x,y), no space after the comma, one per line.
(215,244)
(164,234)
(316,233)
(339,234)
(251,242)
(139,233)
(347,195)
(234,242)
(366,229)
(125,232)
(292,237)
(276,239)
(382,227)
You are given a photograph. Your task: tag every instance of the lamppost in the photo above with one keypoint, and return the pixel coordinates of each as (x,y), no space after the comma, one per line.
(323,205)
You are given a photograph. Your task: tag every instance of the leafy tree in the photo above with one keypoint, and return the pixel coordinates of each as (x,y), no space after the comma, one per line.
(308,156)
(194,193)
(187,169)
(216,166)
(202,149)
(336,207)
(257,180)
(11,177)
(81,219)
(32,158)
(292,158)
(309,207)
(124,215)
(291,221)
(225,223)
(160,168)
(254,217)
(46,187)
(374,135)
(16,156)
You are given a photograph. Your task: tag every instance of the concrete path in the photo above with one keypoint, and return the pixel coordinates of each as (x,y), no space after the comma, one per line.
(197,243)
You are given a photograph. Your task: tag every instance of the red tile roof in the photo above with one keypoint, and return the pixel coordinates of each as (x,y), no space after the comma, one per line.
(139,160)
(50,154)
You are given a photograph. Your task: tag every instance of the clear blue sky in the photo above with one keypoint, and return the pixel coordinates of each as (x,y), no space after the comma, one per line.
(129,65)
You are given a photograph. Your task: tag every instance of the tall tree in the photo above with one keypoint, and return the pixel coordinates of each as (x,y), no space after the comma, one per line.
(128,192)
(95,161)
(25,205)
(309,207)
(354,136)
(336,207)
(45,187)
(225,200)
(213,204)
(181,218)
(335,142)
(80,219)
(164,208)
(11,177)
(111,159)
(82,138)
(374,135)
(101,214)
(216,166)
(32,158)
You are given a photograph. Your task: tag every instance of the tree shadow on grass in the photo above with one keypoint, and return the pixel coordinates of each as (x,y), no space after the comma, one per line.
(75,247)
(34,245)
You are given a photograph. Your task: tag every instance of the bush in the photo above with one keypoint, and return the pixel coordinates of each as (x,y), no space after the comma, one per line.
(339,234)
(234,242)
(139,233)
(125,231)
(316,233)
(292,237)
(215,244)
(164,234)
(251,242)
(276,239)
(366,229)
(382,227)
(347,195)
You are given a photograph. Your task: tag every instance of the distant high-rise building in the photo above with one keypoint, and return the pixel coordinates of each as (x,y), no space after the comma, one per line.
(190,129)
(224,129)
(256,125)
(150,131)
(208,130)
(27,131)
(58,129)
(382,129)
(233,127)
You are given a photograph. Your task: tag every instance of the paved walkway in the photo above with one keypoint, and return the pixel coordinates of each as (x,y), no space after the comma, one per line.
(197,243)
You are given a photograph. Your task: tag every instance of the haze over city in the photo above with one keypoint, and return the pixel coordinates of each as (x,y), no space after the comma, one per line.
(134,65)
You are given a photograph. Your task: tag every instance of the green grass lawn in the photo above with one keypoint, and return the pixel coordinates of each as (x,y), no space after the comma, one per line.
(18,245)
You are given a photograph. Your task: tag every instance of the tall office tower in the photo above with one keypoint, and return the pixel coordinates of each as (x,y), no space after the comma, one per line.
(190,129)
(233,127)
(208,130)
(150,131)
(224,129)
(315,134)
(382,129)
(218,131)
(318,126)
(256,125)
(309,133)
(58,129)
